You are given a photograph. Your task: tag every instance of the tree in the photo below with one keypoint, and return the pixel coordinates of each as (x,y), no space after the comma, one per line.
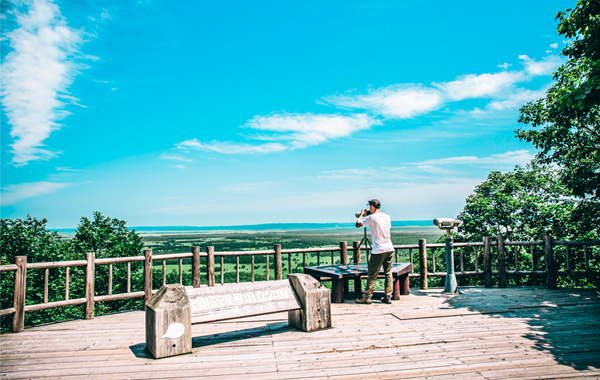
(31,238)
(106,237)
(565,123)
(524,204)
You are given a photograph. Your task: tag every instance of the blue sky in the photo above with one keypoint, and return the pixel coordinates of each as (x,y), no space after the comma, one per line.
(228,113)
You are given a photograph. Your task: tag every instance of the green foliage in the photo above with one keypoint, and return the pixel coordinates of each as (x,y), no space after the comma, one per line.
(558,194)
(524,204)
(31,238)
(565,123)
(106,237)
(110,237)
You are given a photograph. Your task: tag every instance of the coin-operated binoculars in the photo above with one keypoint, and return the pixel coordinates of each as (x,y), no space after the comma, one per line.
(449,224)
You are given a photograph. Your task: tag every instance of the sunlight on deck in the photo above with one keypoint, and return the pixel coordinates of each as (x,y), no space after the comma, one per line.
(512,333)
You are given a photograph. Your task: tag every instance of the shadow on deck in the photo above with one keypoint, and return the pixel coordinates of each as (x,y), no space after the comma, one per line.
(563,322)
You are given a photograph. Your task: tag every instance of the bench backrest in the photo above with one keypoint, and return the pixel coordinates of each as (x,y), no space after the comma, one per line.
(229,301)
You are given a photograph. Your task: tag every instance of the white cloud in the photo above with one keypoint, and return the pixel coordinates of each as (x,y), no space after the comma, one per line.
(394,101)
(12,194)
(431,169)
(544,67)
(304,130)
(293,131)
(35,76)
(554,46)
(229,147)
(174,157)
(518,157)
(405,101)
(246,188)
(348,173)
(516,99)
(478,86)
(280,132)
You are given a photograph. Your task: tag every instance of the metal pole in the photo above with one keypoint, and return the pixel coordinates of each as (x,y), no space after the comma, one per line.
(451,284)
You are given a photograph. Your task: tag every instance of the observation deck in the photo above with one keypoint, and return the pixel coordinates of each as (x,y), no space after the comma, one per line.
(482,333)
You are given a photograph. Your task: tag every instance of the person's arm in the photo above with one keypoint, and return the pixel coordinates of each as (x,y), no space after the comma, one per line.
(360,219)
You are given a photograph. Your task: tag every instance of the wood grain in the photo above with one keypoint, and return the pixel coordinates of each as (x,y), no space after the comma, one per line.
(512,333)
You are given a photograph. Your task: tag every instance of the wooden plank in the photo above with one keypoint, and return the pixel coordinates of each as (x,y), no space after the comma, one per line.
(231,301)
(540,334)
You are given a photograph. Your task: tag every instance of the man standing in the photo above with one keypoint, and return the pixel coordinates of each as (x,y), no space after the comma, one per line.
(382,252)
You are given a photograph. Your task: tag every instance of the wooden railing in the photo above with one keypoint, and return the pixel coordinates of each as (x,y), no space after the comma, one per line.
(477,259)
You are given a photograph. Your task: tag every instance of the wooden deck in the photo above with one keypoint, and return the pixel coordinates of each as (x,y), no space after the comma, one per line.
(515,333)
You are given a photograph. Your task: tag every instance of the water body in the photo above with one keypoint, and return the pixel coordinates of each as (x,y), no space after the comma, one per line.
(178,230)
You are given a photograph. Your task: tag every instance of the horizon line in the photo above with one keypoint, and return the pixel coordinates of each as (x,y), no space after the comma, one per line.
(253,226)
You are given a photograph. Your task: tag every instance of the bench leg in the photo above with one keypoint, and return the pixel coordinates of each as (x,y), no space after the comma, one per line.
(316,304)
(337,291)
(396,295)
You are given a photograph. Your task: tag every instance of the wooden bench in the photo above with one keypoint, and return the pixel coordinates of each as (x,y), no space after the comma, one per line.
(340,274)
(174,308)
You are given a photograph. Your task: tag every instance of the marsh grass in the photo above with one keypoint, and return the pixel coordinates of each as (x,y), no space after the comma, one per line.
(224,241)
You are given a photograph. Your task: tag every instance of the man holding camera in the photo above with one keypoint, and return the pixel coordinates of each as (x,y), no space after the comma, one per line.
(382,251)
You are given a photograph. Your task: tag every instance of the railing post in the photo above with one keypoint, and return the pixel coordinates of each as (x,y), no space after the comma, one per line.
(344,252)
(90,284)
(501,263)
(278,262)
(196,267)
(356,252)
(423,263)
(210,265)
(147,275)
(344,261)
(487,262)
(19,294)
(356,260)
(550,263)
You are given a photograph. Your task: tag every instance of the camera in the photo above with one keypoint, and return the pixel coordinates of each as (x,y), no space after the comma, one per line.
(357,214)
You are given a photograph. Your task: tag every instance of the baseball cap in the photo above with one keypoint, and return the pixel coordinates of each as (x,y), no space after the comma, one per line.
(375,203)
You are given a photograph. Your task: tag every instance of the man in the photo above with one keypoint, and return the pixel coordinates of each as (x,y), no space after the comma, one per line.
(382,252)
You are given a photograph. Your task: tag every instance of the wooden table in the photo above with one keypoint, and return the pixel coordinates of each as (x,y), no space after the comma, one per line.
(340,274)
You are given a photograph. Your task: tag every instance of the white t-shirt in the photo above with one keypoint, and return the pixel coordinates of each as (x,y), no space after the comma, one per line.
(380,225)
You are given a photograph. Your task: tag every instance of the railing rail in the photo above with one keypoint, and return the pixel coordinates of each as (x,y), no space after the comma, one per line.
(474,259)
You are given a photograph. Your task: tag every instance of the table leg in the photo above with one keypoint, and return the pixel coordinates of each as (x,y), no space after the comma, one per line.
(358,286)
(396,295)
(337,291)
(404,284)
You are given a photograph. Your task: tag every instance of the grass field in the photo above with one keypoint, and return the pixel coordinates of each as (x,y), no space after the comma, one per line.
(289,239)
(224,241)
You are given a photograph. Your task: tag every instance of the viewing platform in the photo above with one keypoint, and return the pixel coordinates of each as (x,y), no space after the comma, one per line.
(482,333)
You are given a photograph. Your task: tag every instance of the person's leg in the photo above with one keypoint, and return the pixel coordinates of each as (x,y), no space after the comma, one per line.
(374,266)
(387,262)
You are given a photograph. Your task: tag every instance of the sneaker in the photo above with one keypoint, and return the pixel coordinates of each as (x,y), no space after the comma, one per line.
(364,299)
(386,299)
